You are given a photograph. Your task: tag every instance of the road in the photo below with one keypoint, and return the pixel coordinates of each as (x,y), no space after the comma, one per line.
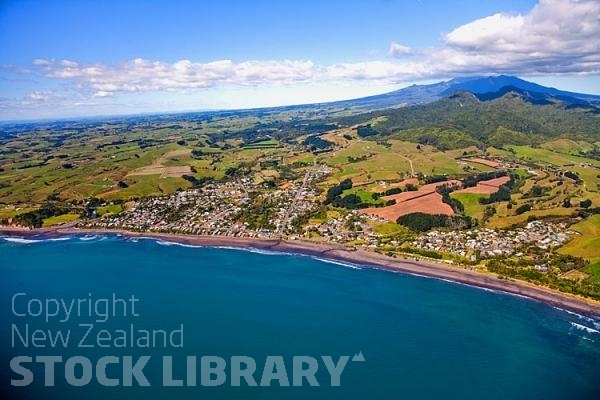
(412,170)
(285,219)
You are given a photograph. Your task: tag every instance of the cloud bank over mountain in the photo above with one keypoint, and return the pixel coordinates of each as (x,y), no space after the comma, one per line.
(556,37)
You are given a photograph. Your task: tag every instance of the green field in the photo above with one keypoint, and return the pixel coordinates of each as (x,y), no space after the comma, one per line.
(61,219)
(567,146)
(471,203)
(366,161)
(389,229)
(118,162)
(365,193)
(588,244)
(540,155)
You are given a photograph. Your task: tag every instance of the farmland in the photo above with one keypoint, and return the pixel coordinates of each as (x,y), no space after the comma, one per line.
(587,243)
(115,165)
(425,200)
(486,187)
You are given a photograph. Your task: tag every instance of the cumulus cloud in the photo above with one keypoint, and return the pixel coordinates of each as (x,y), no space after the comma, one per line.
(552,26)
(555,37)
(140,75)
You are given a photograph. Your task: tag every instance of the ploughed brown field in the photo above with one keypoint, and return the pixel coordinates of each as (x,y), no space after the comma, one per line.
(425,200)
(483,161)
(486,187)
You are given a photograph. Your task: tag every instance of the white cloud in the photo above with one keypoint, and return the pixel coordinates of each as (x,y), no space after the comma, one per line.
(140,75)
(558,37)
(40,62)
(39,95)
(398,50)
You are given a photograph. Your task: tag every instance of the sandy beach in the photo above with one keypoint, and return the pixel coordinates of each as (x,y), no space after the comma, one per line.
(358,257)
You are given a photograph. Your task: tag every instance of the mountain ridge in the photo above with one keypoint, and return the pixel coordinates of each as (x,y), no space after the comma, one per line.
(424,94)
(520,115)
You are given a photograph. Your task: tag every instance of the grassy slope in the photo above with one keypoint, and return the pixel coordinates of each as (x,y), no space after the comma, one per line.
(529,153)
(61,219)
(588,244)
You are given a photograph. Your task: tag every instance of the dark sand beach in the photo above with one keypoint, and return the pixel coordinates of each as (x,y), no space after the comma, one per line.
(349,255)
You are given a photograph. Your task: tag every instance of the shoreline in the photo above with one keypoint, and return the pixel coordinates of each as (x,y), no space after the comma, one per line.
(334,252)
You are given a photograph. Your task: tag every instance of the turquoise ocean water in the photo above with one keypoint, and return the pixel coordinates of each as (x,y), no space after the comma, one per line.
(420,338)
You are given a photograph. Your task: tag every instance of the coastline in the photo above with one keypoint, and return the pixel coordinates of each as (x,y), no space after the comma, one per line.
(341,253)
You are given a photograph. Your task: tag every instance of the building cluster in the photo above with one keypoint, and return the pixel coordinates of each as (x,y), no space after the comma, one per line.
(346,228)
(221,209)
(487,242)
(242,208)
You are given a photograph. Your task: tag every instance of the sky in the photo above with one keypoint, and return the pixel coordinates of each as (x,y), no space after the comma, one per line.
(83,58)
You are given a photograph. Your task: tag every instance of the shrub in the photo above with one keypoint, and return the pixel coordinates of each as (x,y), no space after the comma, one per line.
(585,203)
(523,209)
(421,222)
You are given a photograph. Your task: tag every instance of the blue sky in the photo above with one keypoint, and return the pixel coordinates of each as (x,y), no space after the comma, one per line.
(77,58)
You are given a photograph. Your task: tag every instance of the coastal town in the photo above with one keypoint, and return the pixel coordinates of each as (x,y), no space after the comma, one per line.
(486,242)
(519,212)
(236,208)
(240,208)
(332,199)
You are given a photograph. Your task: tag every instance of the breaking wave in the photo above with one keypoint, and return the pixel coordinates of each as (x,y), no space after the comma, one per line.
(340,263)
(21,240)
(168,243)
(583,328)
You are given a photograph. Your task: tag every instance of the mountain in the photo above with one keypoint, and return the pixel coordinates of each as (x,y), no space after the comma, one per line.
(541,98)
(509,115)
(423,94)
(495,83)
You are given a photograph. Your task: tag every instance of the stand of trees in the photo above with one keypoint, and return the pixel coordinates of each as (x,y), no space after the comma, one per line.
(366,131)
(421,222)
(523,209)
(503,193)
(197,182)
(585,203)
(392,191)
(435,178)
(316,143)
(336,191)
(456,205)
(351,201)
(574,176)
(473,180)
(197,153)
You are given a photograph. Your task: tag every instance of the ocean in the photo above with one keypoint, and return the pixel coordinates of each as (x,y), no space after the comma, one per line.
(420,338)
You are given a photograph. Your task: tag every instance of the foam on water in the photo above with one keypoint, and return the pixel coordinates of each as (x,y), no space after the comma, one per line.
(168,243)
(59,239)
(87,238)
(265,252)
(583,328)
(254,250)
(21,240)
(340,263)
(593,321)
